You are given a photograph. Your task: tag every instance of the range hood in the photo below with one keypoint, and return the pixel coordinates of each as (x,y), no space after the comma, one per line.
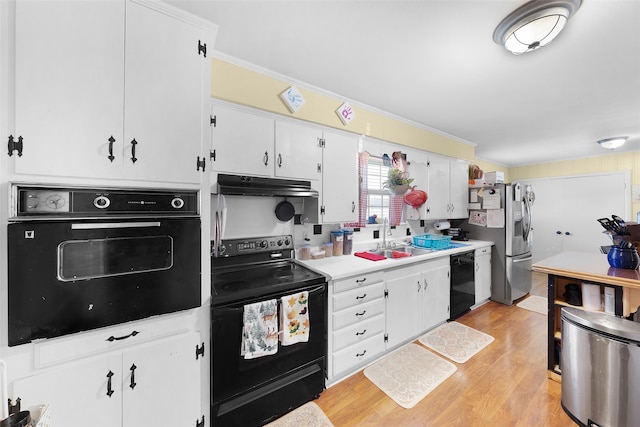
(244,185)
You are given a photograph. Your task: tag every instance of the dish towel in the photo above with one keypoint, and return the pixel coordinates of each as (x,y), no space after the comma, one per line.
(294,318)
(260,330)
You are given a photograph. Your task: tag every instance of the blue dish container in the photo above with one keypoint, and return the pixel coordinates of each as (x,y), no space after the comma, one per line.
(626,258)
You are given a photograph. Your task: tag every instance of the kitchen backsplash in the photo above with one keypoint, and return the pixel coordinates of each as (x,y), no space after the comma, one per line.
(251,216)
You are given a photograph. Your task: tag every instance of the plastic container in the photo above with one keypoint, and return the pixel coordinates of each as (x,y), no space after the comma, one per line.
(327,247)
(433,241)
(336,238)
(317,254)
(591,297)
(305,251)
(347,243)
(609,300)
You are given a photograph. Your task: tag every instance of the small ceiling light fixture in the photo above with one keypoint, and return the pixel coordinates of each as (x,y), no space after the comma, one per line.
(611,143)
(534,24)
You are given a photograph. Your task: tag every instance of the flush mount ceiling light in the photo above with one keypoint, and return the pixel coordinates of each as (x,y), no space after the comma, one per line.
(611,143)
(534,24)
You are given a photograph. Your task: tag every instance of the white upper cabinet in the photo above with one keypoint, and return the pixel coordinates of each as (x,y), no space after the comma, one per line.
(241,142)
(340,178)
(69,85)
(298,151)
(109,89)
(446,182)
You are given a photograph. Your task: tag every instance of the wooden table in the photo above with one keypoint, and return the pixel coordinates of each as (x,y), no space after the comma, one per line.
(577,268)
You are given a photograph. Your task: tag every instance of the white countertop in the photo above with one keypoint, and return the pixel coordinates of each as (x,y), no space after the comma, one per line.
(340,267)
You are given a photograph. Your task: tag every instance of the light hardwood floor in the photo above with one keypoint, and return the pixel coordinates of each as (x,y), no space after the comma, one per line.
(504,385)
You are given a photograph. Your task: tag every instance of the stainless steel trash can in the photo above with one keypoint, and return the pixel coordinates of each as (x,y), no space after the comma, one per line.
(600,369)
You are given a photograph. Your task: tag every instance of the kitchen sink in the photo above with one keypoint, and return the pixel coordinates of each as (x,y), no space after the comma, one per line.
(401,252)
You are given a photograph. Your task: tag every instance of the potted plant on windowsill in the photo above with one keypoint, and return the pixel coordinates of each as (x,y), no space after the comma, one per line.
(398,182)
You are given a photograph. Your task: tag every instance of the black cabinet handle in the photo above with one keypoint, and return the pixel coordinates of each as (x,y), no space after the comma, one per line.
(133,376)
(132,334)
(109,389)
(111,141)
(558,232)
(361,333)
(279,160)
(361,314)
(353,207)
(361,297)
(361,281)
(566,233)
(133,150)
(265,159)
(361,354)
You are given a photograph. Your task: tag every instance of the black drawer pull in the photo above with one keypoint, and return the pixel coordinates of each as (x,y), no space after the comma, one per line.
(133,376)
(361,297)
(132,334)
(361,354)
(361,314)
(361,333)
(109,389)
(361,281)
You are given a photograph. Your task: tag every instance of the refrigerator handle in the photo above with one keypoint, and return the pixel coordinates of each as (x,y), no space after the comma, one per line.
(515,261)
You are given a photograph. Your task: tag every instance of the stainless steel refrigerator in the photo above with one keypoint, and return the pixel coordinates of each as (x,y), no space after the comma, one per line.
(501,213)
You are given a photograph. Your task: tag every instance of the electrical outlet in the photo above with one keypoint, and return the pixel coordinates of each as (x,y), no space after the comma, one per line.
(376,234)
(317,229)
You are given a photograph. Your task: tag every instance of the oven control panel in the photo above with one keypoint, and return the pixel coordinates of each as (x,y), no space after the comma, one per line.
(81,202)
(256,245)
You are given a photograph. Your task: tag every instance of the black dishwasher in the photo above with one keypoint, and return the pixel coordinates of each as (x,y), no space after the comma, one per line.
(463,294)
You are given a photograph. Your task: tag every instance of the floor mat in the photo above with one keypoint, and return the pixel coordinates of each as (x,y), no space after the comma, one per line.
(308,415)
(456,341)
(535,303)
(408,374)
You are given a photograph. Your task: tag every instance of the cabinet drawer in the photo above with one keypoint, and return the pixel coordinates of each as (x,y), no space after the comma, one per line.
(357,297)
(358,354)
(357,281)
(358,333)
(357,314)
(58,350)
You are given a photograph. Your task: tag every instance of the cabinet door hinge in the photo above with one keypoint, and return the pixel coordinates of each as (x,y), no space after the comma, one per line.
(319,167)
(213,120)
(321,142)
(201,163)
(199,351)
(386,293)
(322,211)
(200,422)
(212,155)
(428,163)
(15,146)
(386,337)
(202,48)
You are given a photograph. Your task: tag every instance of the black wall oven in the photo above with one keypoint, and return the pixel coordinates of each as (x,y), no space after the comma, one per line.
(80,259)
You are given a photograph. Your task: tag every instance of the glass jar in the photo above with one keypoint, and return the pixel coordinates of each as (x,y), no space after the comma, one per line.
(347,243)
(336,239)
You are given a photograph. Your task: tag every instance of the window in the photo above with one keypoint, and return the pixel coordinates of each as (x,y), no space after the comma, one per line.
(379,199)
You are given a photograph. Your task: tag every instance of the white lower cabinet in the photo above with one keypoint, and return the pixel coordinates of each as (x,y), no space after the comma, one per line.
(417,299)
(356,322)
(147,385)
(483,274)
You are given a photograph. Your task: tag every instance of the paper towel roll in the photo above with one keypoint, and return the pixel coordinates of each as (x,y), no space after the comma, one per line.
(442,225)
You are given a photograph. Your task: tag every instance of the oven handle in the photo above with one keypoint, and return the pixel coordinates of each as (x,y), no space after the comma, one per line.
(101,225)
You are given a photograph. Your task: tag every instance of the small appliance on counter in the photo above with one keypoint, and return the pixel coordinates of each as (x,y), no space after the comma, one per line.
(456,233)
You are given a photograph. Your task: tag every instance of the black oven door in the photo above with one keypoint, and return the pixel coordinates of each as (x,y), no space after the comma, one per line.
(237,381)
(71,276)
